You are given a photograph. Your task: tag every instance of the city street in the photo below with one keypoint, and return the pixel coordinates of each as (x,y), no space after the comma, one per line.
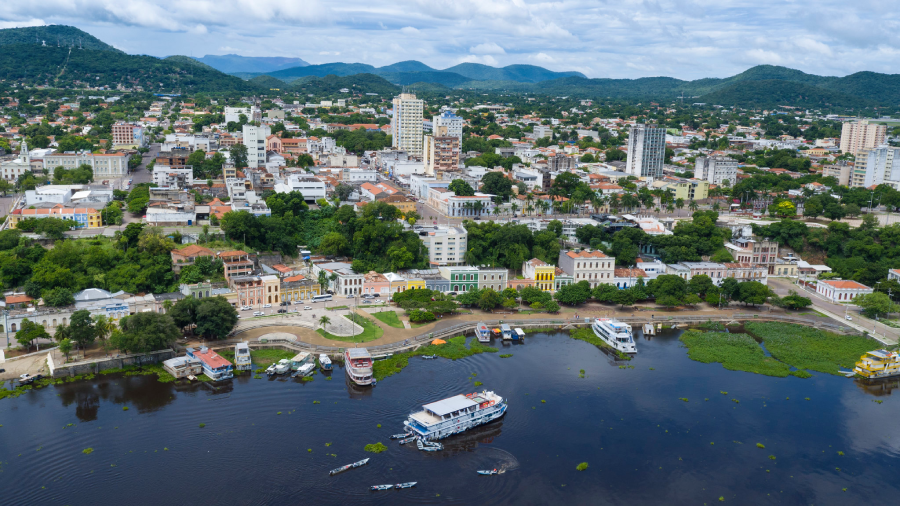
(782,287)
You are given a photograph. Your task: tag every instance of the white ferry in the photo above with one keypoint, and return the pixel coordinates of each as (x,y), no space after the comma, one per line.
(615,334)
(455,414)
(483,333)
(506,331)
(878,364)
(359,365)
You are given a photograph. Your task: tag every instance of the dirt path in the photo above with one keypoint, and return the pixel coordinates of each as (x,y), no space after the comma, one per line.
(35,364)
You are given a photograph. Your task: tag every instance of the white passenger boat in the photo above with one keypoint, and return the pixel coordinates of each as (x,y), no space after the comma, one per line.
(506,331)
(519,334)
(359,366)
(284,365)
(615,333)
(483,333)
(302,359)
(325,362)
(305,370)
(455,414)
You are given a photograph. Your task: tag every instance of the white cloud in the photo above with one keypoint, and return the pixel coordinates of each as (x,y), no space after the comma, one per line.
(487,48)
(687,39)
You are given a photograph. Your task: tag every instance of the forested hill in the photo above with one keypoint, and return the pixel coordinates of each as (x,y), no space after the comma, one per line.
(67,67)
(53,35)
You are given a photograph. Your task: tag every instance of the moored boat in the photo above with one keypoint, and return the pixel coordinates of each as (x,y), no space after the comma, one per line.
(381,487)
(519,334)
(456,414)
(506,331)
(270,371)
(429,357)
(614,333)
(401,436)
(488,472)
(878,364)
(325,362)
(483,333)
(407,440)
(304,370)
(348,466)
(283,366)
(409,484)
(302,359)
(359,366)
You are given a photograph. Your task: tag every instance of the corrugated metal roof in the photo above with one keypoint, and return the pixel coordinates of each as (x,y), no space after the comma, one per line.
(447,406)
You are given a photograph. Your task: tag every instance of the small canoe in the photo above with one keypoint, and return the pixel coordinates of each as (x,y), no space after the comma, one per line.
(400,436)
(348,466)
(407,440)
(429,357)
(406,485)
(488,472)
(381,487)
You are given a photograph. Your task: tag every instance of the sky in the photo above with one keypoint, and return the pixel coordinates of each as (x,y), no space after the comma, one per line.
(687,39)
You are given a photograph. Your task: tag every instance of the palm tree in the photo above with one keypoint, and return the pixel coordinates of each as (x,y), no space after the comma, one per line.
(324,321)
(167,305)
(670,208)
(514,207)
(679,203)
(496,211)
(693,205)
(716,206)
(104,327)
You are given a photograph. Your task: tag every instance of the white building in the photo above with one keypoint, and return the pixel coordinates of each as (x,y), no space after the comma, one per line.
(234,114)
(859,135)
(879,165)
(359,176)
(12,169)
(105,165)
(445,245)
(255,140)
(452,123)
(79,195)
(585,265)
(837,290)
(171,177)
(406,123)
(716,169)
(311,188)
(541,131)
(646,151)
(448,204)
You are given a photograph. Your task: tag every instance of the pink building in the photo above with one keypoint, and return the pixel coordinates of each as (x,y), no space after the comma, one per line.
(376,284)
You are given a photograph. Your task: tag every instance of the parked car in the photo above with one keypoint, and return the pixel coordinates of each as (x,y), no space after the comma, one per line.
(849,317)
(258,313)
(267,305)
(305,308)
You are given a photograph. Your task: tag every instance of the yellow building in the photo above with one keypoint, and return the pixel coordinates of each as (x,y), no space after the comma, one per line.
(86,217)
(271,289)
(400,202)
(298,288)
(686,189)
(543,274)
(415,283)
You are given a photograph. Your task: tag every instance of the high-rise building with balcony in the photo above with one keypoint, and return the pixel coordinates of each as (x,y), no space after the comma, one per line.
(406,123)
(646,151)
(859,135)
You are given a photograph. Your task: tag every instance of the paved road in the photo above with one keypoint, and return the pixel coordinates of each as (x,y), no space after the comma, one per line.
(782,287)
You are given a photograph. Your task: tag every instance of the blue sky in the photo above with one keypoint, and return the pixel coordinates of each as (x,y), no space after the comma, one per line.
(688,39)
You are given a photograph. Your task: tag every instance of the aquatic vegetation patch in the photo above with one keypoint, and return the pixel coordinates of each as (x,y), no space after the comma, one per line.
(506,355)
(87,451)
(582,466)
(202,425)
(685,399)
(375,448)
(771,457)
(736,352)
(800,373)
(124,408)
(760,445)
(269,356)
(454,349)
(478,384)
(810,348)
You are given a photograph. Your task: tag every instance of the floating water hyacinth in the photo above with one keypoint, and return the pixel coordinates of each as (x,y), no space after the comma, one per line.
(685,399)
(760,445)
(202,425)
(771,457)
(582,466)
(87,451)
(375,448)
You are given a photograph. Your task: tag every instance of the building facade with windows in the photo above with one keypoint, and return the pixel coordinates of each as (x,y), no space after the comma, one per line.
(445,245)
(541,272)
(462,277)
(716,169)
(838,290)
(646,151)
(492,277)
(406,123)
(104,165)
(858,135)
(255,140)
(586,265)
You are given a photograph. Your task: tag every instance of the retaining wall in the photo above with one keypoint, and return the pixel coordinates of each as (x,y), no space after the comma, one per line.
(59,369)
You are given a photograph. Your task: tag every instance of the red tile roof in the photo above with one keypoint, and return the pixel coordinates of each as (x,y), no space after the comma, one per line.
(586,254)
(18,299)
(845,284)
(193,251)
(211,358)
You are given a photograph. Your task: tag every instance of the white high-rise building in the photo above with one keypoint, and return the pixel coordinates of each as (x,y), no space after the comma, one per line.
(881,165)
(861,135)
(646,151)
(255,140)
(452,123)
(406,123)
(716,169)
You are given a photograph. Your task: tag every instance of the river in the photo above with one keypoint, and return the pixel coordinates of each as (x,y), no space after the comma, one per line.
(625,419)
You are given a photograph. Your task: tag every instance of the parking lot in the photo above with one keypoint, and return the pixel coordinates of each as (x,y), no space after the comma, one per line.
(298,307)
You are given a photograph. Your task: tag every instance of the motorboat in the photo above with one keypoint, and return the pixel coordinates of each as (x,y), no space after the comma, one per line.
(381,487)
(483,333)
(270,371)
(488,472)
(325,362)
(409,484)
(428,446)
(409,439)
(401,436)
(27,379)
(519,334)
(429,357)
(304,370)
(283,366)
(348,466)
(507,332)
(454,415)
(302,359)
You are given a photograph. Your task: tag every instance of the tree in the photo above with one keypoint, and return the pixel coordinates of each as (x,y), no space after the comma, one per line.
(834,211)
(419,316)
(216,317)
(753,293)
(625,297)
(112,213)
(333,244)
(551,307)
(794,301)
(875,304)
(489,299)
(852,210)
(812,208)
(556,227)
(692,299)
(184,312)
(343,191)
(495,183)
(239,156)
(324,321)
(104,327)
(700,284)
(574,294)
(58,297)
(144,332)
(668,301)
(668,285)
(65,347)
(605,293)
(783,209)
(587,158)
(82,329)
(29,332)
(461,188)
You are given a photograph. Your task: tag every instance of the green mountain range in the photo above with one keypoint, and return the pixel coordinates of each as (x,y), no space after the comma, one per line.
(229,63)
(64,56)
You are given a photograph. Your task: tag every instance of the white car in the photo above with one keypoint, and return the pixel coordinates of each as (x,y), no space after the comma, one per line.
(267,305)
(849,317)
(306,308)
(246,308)
(258,313)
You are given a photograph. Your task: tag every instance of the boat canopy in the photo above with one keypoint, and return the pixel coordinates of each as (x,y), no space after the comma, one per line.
(450,405)
(438,341)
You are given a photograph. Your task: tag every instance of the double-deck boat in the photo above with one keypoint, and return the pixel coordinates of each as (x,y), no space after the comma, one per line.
(325,362)
(359,366)
(455,414)
(506,331)
(878,364)
(483,333)
(614,333)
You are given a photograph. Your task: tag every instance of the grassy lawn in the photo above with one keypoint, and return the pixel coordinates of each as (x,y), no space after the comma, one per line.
(370,332)
(259,357)
(338,307)
(389,318)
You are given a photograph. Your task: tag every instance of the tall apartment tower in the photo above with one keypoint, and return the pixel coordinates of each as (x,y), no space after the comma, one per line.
(716,169)
(440,152)
(859,135)
(255,140)
(876,166)
(407,124)
(451,124)
(646,151)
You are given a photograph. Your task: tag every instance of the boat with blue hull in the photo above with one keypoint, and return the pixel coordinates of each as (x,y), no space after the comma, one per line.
(455,414)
